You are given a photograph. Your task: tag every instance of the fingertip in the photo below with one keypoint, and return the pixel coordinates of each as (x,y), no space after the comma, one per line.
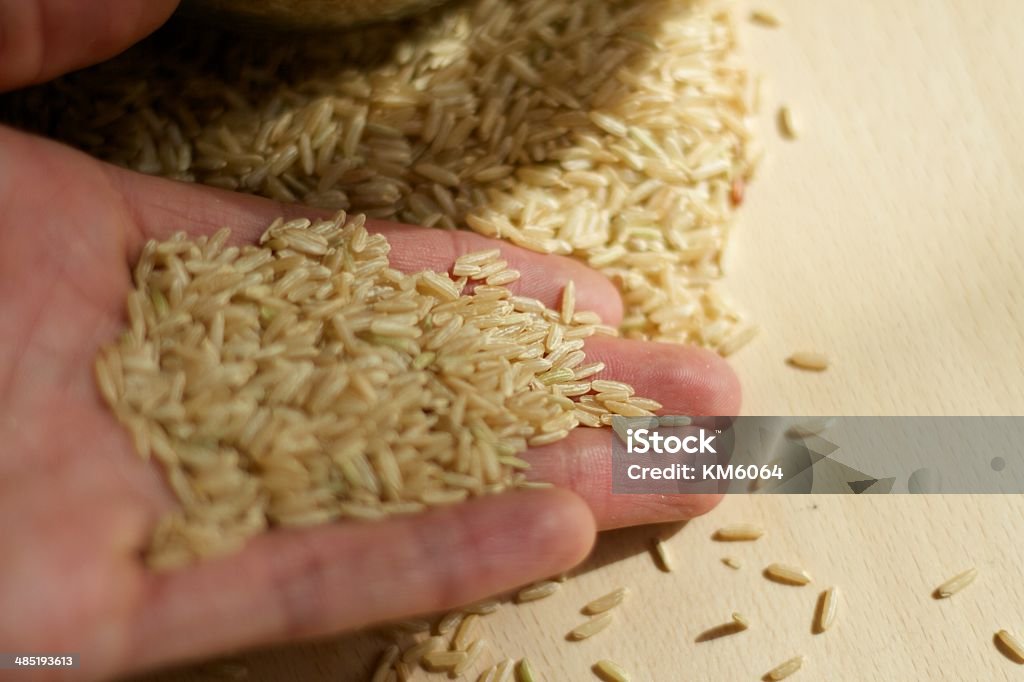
(698,505)
(582,463)
(719,390)
(687,380)
(564,528)
(41,39)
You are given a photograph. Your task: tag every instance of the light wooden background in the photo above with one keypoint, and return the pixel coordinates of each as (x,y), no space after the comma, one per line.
(889,236)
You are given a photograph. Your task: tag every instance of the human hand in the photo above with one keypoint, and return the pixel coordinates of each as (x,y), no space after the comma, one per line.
(78,505)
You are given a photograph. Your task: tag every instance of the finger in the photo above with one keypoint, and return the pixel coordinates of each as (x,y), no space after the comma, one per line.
(687,381)
(306,583)
(41,39)
(161,207)
(583,464)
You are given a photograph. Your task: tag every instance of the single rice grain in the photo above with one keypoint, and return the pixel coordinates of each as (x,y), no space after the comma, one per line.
(591,627)
(829,607)
(524,671)
(606,602)
(789,575)
(809,360)
(473,652)
(739,532)
(784,670)
(765,17)
(789,126)
(443,661)
(610,671)
(1013,645)
(540,590)
(956,583)
(740,621)
(663,556)
(464,634)
(415,653)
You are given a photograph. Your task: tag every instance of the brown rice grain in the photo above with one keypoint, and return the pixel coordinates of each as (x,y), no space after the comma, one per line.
(483,608)
(472,655)
(443,661)
(606,602)
(784,670)
(663,556)
(540,590)
(606,386)
(610,671)
(739,532)
(591,627)
(789,575)
(414,654)
(956,583)
(816,362)
(1013,645)
(464,633)
(788,124)
(524,671)
(765,17)
(448,623)
(829,608)
(568,301)
(504,671)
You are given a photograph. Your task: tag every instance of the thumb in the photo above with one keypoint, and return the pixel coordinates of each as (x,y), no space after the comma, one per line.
(41,39)
(310,582)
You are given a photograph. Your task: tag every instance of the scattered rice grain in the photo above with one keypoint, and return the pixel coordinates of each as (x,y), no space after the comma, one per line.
(739,532)
(663,556)
(1012,644)
(524,671)
(788,124)
(591,627)
(956,583)
(787,574)
(606,602)
(829,607)
(765,17)
(610,671)
(784,670)
(816,362)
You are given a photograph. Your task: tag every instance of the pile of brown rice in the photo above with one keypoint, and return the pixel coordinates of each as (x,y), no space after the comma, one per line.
(615,131)
(303,380)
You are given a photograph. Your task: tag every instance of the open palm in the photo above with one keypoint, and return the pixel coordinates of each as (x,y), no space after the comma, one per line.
(77,505)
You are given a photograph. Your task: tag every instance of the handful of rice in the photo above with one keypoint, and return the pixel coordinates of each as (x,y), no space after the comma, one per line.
(304,380)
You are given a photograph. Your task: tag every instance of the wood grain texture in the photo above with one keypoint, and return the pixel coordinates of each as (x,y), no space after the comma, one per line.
(889,236)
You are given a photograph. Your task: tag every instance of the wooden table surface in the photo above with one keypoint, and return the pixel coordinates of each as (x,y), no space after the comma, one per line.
(889,236)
